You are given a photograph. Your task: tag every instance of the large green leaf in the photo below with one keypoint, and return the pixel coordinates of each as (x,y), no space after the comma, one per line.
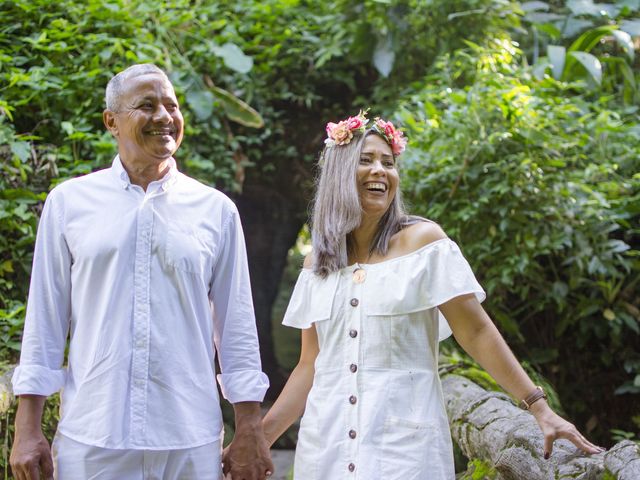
(237,110)
(573,26)
(632,27)
(201,102)
(590,63)
(591,38)
(557,56)
(624,40)
(234,57)
(22,150)
(588,7)
(384,56)
(534,6)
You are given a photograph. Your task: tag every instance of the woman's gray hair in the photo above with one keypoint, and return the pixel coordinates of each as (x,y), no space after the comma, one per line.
(115,87)
(337,210)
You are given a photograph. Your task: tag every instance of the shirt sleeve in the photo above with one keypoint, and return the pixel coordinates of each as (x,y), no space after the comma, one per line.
(47,320)
(235,335)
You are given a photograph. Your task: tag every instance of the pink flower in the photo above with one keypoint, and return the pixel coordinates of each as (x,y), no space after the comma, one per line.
(395,138)
(354,123)
(340,132)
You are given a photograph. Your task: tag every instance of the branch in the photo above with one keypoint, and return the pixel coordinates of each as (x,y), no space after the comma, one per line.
(488,426)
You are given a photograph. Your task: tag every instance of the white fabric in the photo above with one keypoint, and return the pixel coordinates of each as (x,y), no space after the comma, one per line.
(146,284)
(391,336)
(76,461)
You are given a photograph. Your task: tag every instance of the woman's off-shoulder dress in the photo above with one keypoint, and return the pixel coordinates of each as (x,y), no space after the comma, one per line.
(376,409)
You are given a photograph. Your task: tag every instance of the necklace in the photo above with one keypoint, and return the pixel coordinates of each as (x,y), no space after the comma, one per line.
(359,274)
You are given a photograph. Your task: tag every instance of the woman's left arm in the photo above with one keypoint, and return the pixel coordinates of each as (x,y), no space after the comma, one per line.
(479,337)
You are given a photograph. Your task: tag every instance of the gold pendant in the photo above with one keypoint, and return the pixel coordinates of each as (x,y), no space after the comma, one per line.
(359,274)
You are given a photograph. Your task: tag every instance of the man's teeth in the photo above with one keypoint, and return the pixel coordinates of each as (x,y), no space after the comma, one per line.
(377,186)
(161,132)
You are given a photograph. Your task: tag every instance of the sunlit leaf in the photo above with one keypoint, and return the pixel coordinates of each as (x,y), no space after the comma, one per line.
(237,110)
(542,17)
(384,56)
(624,40)
(201,102)
(591,38)
(533,6)
(67,127)
(588,7)
(22,150)
(573,26)
(234,57)
(590,63)
(557,57)
(632,27)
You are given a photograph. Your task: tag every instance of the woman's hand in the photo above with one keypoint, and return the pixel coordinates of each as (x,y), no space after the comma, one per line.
(553,427)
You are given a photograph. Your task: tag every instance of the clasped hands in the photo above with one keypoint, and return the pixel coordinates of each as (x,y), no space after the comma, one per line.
(247,457)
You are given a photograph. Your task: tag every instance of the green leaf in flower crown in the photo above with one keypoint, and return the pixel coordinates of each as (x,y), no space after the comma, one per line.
(237,110)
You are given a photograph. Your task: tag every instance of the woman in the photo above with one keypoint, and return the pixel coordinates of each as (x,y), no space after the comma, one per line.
(370,301)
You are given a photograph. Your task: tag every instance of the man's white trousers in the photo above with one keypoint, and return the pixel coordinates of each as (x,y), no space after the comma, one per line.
(77,461)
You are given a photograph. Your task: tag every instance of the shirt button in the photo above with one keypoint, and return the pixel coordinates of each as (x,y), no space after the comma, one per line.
(352,434)
(353,333)
(353,399)
(353,367)
(354,302)
(352,467)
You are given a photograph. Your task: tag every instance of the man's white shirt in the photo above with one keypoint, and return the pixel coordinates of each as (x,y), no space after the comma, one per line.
(149,286)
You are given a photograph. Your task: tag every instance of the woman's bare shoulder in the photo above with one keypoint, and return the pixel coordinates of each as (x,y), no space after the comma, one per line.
(308,260)
(420,234)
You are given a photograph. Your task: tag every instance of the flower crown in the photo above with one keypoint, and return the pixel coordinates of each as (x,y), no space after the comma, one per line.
(342,132)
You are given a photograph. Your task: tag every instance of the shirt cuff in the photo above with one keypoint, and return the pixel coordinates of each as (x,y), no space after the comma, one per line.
(37,380)
(244,386)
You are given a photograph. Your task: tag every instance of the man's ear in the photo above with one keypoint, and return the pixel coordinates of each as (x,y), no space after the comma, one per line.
(109,119)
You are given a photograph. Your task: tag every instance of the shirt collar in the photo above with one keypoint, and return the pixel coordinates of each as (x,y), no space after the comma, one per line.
(165,182)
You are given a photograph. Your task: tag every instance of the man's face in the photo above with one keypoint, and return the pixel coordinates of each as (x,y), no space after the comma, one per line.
(148,125)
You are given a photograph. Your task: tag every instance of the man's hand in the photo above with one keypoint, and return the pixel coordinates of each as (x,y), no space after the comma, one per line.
(30,454)
(248,457)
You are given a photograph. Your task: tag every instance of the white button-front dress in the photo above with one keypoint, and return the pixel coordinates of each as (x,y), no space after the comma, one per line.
(376,409)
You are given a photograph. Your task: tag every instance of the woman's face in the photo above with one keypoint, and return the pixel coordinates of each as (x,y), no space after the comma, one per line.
(377,177)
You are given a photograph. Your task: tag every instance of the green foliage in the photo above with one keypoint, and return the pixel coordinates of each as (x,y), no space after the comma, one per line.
(537,180)
(294,62)
(586,40)
(479,470)
(7,418)
(453,361)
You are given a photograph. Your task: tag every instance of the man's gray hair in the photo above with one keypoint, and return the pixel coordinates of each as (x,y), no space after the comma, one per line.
(337,210)
(115,87)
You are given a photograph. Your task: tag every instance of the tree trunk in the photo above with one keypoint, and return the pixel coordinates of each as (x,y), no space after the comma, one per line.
(487,425)
(271,220)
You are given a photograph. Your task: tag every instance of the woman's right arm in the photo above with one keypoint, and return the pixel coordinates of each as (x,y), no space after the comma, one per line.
(290,404)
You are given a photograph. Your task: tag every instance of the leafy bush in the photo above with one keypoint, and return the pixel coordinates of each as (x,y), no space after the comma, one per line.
(537,180)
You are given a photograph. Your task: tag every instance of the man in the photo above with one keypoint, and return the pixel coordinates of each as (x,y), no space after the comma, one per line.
(145,269)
